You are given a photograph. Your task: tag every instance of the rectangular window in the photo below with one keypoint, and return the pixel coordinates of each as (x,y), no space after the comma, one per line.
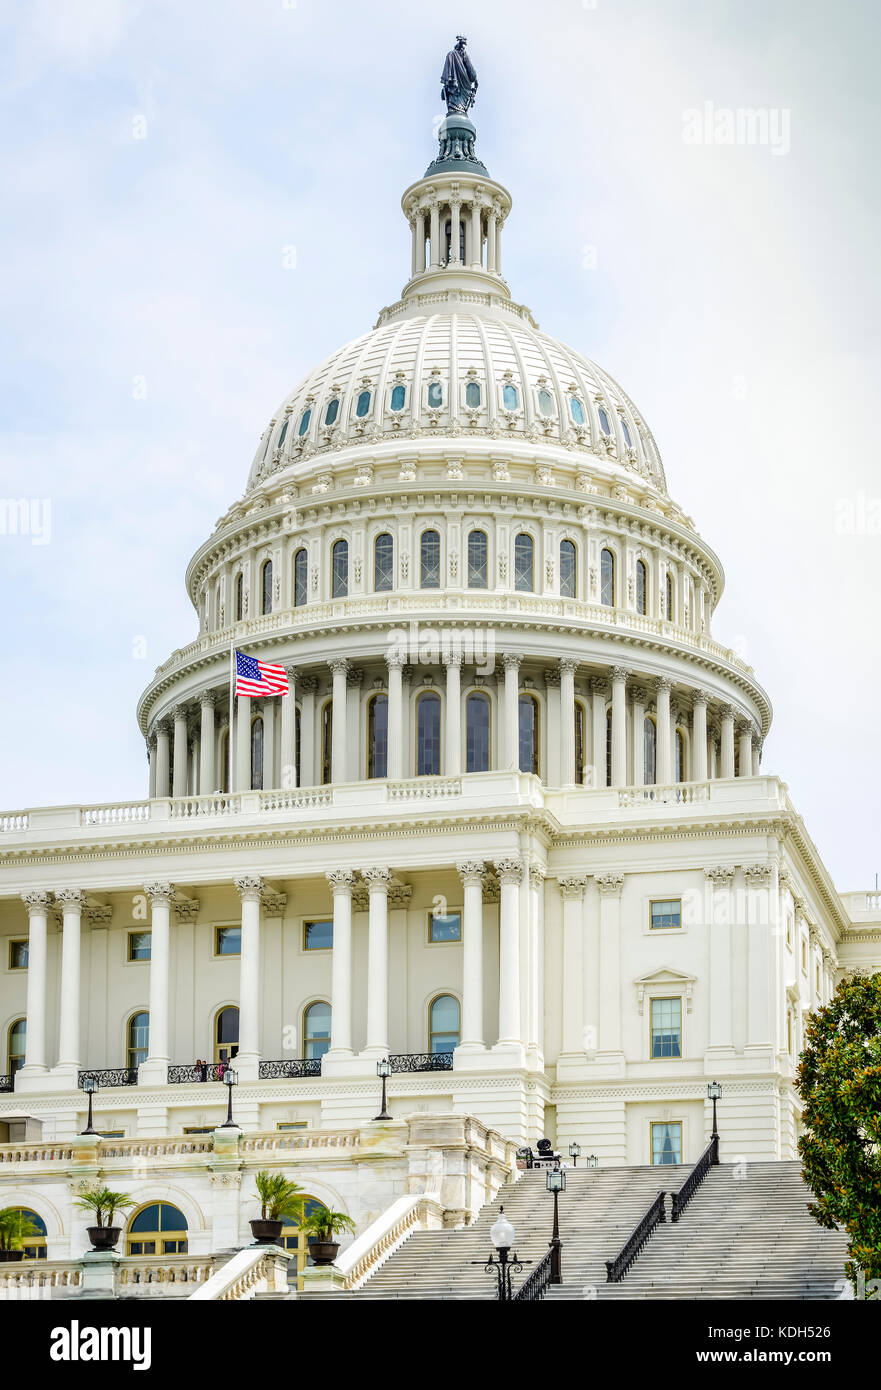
(666,913)
(139,943)
(112,1133)
(18,955)
(227,941)
(291,1124)
(445,926)
(199,1129)
(317,936)
(666,1027)
(804,955)
(667,1143)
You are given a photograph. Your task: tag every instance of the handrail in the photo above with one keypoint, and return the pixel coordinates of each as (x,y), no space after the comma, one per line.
(536,1286)
(708,1159)
(617,1268)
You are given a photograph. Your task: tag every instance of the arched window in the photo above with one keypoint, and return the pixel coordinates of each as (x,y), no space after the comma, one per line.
(32,1229)
(383,563)
(579,743)
(282,433)
(399,395)
(327,742)
(523,563)
(429,560)
(478,560)
(607,579)
(604,422)
(435,395)
(333,410)
(679,749)
(472,395)
(568,562)
(428,737)
(668,597)
(266,587)
(649,745)
(362,405)
(316,1029)
(626,432)
(304,422)
(257,754)
(377,736)
(576,410)
(157,1229)
(137,1040)
(226,1034)
(545,402)
(641,587)
(443,1024)
(510,398)
(15,1045)
(340,569)
(301,577)
(609,747)
(240,597)
(477,732)
(527,713)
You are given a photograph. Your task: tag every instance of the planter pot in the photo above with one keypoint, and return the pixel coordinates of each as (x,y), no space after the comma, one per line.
(103,1237)
(9,1257)
(267,1232)
(324,1252)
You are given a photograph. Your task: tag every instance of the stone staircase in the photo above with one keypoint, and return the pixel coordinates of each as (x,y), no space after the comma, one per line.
(739,1238)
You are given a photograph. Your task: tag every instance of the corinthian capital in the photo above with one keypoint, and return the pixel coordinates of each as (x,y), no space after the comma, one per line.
(340,880)
(509,870)
(249,887)
(377,877)
(572,886)
(471,870)
(70,898)
(610,885)
(36,901)
(160,893)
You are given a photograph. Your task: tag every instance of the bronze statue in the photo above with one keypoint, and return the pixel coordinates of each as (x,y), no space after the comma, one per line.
(458,80)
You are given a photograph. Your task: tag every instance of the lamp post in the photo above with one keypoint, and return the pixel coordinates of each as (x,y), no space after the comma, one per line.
(230,1079)
(591,1161)
(383,1069)
(556,1183)
(90,1086)
(574,1153)
(502,1236)
(714,1091)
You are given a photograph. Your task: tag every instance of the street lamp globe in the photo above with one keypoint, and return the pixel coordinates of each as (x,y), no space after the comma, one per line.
(384,1067)
(714,1091)
(502,1233)
(574,1151)
(230,1077)
(556,1179)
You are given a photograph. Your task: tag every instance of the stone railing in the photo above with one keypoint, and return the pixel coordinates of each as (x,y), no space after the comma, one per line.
(14,820)
(38,1278)
(166,1276)
(256,1269)
(677,793)
(863,907)
(385,1235)
(300,1139)
(184,1145)
(36,1153)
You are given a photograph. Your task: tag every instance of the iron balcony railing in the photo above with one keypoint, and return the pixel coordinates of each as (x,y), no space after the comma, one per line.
(536,1286)
(422,1061)
(6,1083)
(617,1268)
(110,1076)
(206,1071)
(290,1067)
(708,1159)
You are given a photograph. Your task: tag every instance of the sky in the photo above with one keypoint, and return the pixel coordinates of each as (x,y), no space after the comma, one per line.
(159,162)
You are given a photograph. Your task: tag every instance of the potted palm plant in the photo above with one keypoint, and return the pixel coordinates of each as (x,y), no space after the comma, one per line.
(15,1227)
(320,1227)
(106,1205)
(280,1201)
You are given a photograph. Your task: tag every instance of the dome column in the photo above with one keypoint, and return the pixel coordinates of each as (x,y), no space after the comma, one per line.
(154,1070)
(162,759)
(340,669)
(510,755)
(250,890)
(341,883)
(37,904)
(395,664)
(453,730)
(206,744)
(598,692)
(491,223)
(665,741)
(567,721)
(745,749)
(637,720)
(179,771)
(288,749)
(151,766)
(727,742)
(472,872)
(455,232)
(699,736)
(72,901)
(619,726)
(434,234)
(475,255)
(378,879)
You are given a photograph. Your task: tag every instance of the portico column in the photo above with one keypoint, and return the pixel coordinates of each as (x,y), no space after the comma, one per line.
(727,750)
(719,913)
(598,693)
(761,889)
(339,667)
(288,750)
(377,878)
(154,1070)
(472,1039)
(619,726)
(243,743)
(395,716)
(72,900)
(453,739)
(664,746)
(510,873)
(567,720)
(511,760)
(250,889)
(699,736)
(610,886)
(341,882)
(37,903)
(745,750)
(179,774)
(572,892)
(207,782)
(637,721)
(476,248)
(162,761)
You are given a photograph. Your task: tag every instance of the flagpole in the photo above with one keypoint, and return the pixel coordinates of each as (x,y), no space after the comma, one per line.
(232,662)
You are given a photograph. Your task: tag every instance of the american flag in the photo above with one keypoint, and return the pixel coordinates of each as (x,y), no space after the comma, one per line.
(258,677)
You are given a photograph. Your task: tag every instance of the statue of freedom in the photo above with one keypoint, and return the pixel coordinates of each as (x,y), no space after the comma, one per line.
(458,80)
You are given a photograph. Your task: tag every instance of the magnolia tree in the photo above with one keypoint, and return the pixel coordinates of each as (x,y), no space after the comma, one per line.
(839,1080)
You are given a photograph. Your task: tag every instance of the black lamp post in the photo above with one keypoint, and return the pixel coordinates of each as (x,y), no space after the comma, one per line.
(714,1091)
(230,1079)
(574,1153)
(556,1183)
(383,1069)
(90,1086)
(502,1236)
